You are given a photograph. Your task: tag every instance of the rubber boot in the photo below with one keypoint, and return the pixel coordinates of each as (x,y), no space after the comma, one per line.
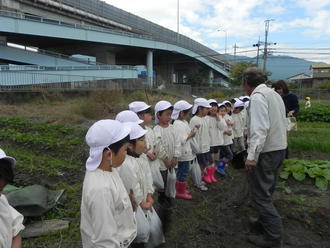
(181,190)
(212,171)
(220,167)
(206,175)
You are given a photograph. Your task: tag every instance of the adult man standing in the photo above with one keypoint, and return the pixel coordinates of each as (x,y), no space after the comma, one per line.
(267,141)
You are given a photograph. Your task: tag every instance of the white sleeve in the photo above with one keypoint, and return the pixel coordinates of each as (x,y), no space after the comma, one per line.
(221,125)
(17,223)
(180,135)
(148,175)
(259,126)
(104,225)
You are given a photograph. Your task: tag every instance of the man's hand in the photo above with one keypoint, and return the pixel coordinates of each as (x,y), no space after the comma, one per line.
(249,164)
(290,114)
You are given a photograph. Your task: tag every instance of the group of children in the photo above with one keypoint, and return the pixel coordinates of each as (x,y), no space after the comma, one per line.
(131,158)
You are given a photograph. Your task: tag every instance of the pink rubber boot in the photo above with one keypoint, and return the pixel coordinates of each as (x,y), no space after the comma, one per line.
(181,190)
(206,176)
(212,171)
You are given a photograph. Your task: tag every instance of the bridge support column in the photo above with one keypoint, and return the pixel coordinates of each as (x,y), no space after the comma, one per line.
(211,77)
(106,57)
(150,68)
(3,40)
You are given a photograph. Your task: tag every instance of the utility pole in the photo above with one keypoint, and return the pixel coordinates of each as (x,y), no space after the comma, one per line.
(266,40)
(258,49)
(224,30)
(235,47)
(178,16)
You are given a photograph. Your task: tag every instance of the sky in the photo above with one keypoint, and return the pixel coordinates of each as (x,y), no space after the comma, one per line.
(299,28)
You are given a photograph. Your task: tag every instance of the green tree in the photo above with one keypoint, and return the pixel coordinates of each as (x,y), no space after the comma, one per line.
(237,71)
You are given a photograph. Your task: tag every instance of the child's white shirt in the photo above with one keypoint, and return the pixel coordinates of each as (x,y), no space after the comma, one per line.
(165,144)
(182,131)
(216,129)
(11,222)
(202,135)
(239,125)
(228,139)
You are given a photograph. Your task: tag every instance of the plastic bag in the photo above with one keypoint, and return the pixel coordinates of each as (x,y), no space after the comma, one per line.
(157,178)
(195,148)
(156,231)
(143,226)
(292,124)
(196,173)
(170,190)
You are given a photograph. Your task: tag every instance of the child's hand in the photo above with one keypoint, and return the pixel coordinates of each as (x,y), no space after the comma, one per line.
(152,156)
(167,162)
(132,198)
(192,134)
(174,162)
(197,126)
(146,205)
(150,199)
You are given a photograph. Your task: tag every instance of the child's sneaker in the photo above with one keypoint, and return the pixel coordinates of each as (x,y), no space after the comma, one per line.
(220,167)
(202,187)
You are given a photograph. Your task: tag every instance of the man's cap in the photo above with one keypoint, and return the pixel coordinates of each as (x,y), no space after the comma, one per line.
(100,135)
(178,107)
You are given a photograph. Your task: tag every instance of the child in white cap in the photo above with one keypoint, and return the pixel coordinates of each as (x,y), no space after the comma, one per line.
(166,147)
(199,124)
(144,112)
(128,116)
(183,134)
(11,221)
(239,126)
(217,126)
(135,173)
(107,217)
(226,154)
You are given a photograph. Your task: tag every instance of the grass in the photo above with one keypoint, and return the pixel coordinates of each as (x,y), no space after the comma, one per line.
(311,136)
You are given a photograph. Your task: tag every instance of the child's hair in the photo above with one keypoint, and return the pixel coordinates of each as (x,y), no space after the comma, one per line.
(240,108)
(232,101)
(222,106)
(146,111)
(162,111)
(133,142)
(115,147)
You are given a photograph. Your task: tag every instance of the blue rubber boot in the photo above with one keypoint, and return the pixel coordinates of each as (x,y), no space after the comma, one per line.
(220,167)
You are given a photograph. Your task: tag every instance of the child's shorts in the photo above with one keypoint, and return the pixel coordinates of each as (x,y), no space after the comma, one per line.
(225,152)
(214,149)
(203,158)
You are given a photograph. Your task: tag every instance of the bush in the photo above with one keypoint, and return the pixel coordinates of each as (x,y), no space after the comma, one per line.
(217,95)
(324,86)
(318,112)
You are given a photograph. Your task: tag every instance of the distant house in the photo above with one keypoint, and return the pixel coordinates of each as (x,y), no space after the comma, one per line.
(302,79)
(320,73)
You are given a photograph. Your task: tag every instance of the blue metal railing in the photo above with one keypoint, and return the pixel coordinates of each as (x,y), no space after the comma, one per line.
(64,68)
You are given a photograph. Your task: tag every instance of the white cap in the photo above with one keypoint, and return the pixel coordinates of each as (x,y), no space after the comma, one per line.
(225,102)
(136,131)
(128,116)
(8,158)
(100,135)
(241,98)
(200,102)
(160,106)
(221,104)
(238,104)
(212,101)
(247,104)
(178,107)
(138,106)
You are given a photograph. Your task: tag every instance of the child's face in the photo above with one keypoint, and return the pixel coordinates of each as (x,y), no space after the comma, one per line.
(146,117)
(223,111)
(228,108)
(185,116)
(139,147)
(237,111)
(213,110)
(118,159)
(165,117)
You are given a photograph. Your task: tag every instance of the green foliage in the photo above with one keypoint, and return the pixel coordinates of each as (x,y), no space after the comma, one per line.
(196,78)
(237,71)
(324,85)
(299,169)
(217,95)
(317,113)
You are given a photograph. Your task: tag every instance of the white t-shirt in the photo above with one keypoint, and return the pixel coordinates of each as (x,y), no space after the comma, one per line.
(165,144)
(239,125)
(11,223)
(228,139)
(216,129)
(202,135)
(136,175)
(182,131)
(107,218)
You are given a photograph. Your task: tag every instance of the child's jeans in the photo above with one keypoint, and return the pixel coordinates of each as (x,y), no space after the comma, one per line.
(183,169)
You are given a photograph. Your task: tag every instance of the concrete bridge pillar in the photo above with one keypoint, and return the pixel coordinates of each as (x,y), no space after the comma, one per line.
(150,68)
(3,40)
(106,57)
